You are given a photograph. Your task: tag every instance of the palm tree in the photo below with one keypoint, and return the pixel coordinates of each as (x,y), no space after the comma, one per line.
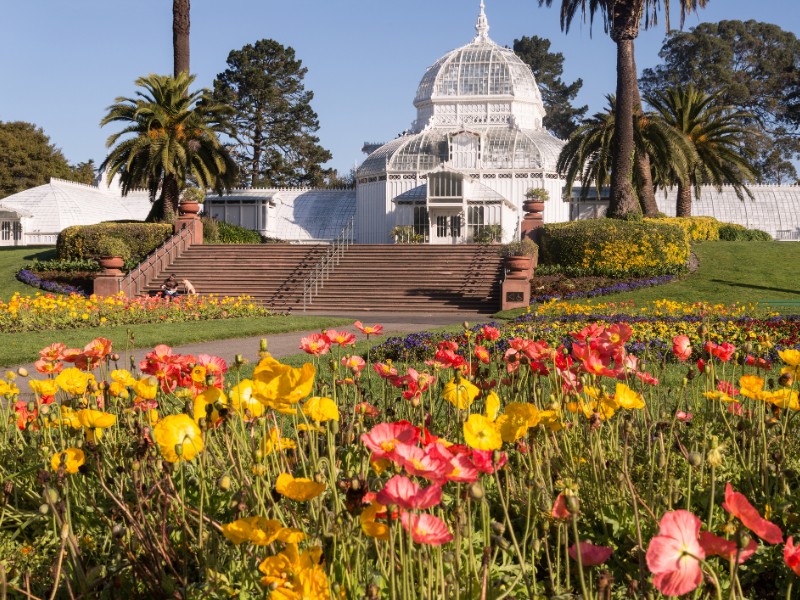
(621,20)
(587,155)
(170,136)
(715,134)
(180,36)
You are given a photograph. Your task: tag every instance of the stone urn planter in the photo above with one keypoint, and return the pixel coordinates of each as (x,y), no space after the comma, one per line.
(111,262)
(519,267)
(533,206)
(189,208)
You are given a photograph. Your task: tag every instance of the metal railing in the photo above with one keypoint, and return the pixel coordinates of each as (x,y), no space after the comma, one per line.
(323,269)
(156,263)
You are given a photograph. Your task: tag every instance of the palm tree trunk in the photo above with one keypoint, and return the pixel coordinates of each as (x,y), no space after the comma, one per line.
(180,36)
(647,193)
(683,207)
(623,201)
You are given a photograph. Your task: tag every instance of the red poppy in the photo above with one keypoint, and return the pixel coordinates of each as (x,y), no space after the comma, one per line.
(490,333)
(482,354)
(368,330)
(401,491)
(316,344)
(682,347)
(559,510)
(53,352)
(736,504)
(714,545)
(723,351)
(591,555)
(385,437)
(791,555)
(421,463)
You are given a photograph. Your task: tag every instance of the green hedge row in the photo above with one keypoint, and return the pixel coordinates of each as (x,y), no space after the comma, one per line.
(615,248)
(220,232)
(80,241)
(737,233)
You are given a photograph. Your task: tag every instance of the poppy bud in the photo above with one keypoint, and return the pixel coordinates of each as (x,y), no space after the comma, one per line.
(44,409)
(225,483)
(465,325)
(258,455)
(786,380)
(238,360)
(714,458)
(497,527)
(476,491)
(573,504)
(500,542)
(695,459)
(179,449)
(263,346)
(661,460)
(22,372)
(742,539)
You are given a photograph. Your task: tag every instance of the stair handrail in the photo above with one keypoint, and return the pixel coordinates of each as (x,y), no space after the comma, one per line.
(154,264)
(325,266)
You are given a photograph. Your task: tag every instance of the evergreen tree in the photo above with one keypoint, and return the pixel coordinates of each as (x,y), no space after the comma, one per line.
(273,119)
(561,118)
(27,158)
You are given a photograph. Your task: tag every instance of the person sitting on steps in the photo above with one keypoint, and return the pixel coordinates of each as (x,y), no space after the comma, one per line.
(170,287)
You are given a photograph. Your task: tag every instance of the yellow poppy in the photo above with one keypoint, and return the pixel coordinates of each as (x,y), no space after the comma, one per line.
(242,401)
(791,359)
(480,433)
(783,399)
(123,377)
(73,458)
(208,404)
(281,385)
(95,419)
(511,427)
(275,442)
(69,417)
(717,395)
(492,406)
(43,387)
(256,530)
(146,388)
(74,381)
(460,394)
(524,410)
(321,409)
(178,438)
(627,398)
(751,386)
(293,575)
(370,526)
(299,489)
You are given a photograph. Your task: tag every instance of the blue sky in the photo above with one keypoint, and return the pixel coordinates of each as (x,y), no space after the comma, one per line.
(63,62)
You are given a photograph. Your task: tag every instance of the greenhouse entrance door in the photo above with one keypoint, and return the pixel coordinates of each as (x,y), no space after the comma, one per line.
(448,229)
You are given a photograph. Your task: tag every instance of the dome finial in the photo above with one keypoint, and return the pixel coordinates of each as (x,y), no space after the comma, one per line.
(482,26)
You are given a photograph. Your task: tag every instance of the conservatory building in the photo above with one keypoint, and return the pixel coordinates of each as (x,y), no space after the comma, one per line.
(476,147)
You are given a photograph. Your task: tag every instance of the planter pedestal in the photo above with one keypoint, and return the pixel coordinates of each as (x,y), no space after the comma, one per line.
(107,284)
(516,293)
(193,222)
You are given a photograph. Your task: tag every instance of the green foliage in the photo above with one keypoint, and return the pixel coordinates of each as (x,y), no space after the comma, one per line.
(273,119)
(80,241)
(27,158)
(111,246)
(64,265)
(731,232)
(210,229)
(753,67)
(540,194)
(615,248)
(488,234)
(561,118)
(523,247)
(193,194)
(170,136)
(233,234)
(405,234)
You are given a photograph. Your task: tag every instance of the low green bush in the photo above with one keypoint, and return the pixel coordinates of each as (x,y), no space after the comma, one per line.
(698,228)
(80,241)
(730,232)
(210,230)
(65,266)
(615,248)
(111,246)
(234,234)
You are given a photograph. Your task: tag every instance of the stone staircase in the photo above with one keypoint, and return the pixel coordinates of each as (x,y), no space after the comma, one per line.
(376,278)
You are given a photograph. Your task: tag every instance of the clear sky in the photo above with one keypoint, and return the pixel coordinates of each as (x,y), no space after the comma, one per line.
(62,62)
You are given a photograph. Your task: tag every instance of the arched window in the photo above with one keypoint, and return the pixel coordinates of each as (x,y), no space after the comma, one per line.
(465,150)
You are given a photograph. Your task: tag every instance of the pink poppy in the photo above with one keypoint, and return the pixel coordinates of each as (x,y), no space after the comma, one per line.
(791,555)
(736,504)
(718,546)
(384,370)
(355,363)
(316,344)
(483,461)
(71,354)
(723,351)
(368,330)
(401,491)
(426,529)
(591,555)
(47,367)
(385,437)
(736,409)
(490,333)
(559,510)
(589,332)
(683,416)
(342,338)
(758,363)
(674,555)
(417,461)
(682,347)
(727,388)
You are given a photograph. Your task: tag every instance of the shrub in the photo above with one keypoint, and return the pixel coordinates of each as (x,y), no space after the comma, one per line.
(488,234)
(65,266)
(210,230)
(697,228)
(539,194)
(524,247)
(80,241)
(111,246)
(193,194)
(405,234)
(615,248)
(730,232)
(233,234)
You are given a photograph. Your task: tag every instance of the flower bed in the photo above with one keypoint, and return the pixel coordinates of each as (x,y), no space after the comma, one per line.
(535,460)
(47,311)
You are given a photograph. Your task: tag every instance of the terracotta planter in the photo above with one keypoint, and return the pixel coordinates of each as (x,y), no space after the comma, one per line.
(519,267)
(189,208)
(111,262)
(534,206)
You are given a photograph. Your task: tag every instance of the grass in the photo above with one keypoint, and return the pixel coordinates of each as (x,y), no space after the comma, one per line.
(741,272)
(12,260)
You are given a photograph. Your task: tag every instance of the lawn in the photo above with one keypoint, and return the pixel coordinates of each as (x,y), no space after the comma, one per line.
(741,272)
(12,260)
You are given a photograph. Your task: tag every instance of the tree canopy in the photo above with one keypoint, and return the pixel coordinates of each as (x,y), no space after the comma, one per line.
(750,66)
(274,123)
(170,136)
(561,117)
(28,159)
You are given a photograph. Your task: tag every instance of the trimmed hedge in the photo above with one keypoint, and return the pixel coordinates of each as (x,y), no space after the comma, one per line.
(697,228)
(80,241)
(731,232)
(615,248)
(220,232)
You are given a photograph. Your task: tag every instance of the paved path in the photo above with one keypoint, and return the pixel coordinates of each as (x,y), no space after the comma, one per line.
(286,344)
